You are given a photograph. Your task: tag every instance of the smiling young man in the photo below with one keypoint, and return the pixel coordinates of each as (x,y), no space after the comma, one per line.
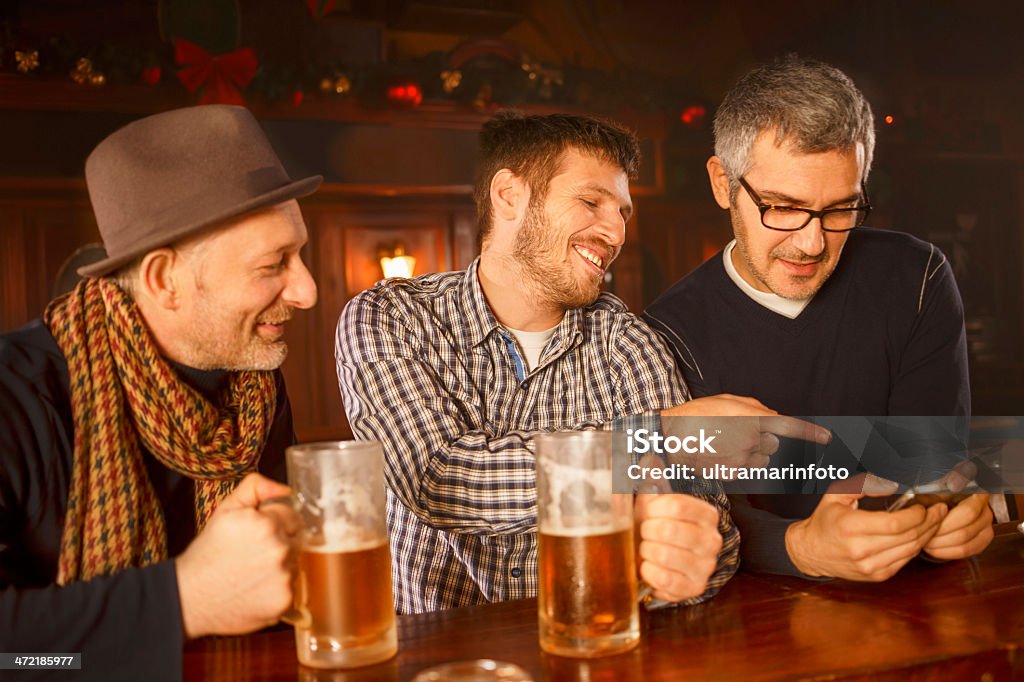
(455,372)
(142,419)
(813,314)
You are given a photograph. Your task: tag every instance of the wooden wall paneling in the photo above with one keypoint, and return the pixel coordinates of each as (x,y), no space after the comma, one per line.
(59,230)
(37,285)
(464,242)
(344,242)
(627,277)
(301,367)
(678,235)
(13,289)
(330,264)
(36,236)
(427,237)
(627,270)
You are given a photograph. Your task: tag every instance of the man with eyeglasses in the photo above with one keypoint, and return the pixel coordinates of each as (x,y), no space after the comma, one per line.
(778,317)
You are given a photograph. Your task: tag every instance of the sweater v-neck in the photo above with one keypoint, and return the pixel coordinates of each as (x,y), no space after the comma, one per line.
(734,296)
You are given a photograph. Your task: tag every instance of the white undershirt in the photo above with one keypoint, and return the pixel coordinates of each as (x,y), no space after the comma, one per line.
(789,307)
(532,344)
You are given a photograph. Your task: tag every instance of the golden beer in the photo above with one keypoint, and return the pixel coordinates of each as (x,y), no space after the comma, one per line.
(587,594)
(345,597)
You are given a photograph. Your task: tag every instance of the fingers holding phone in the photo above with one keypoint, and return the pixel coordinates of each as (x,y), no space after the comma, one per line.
(966,530)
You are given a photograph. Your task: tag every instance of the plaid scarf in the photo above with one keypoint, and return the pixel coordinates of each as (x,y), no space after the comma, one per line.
(125,397)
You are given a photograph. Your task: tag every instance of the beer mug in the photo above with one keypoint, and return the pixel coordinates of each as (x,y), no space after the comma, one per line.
(345,613)
(587,587)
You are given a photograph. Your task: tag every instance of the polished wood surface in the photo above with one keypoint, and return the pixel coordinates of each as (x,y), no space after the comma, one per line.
(956,621)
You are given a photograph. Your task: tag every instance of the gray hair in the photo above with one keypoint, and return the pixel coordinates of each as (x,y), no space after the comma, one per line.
(193,248)
(127,277)
(811,104)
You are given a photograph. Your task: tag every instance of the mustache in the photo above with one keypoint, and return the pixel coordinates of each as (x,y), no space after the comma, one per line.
(799,257)
(606,250)
(276,315)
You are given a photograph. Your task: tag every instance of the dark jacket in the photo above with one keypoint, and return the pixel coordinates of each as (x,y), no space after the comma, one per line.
(126,626)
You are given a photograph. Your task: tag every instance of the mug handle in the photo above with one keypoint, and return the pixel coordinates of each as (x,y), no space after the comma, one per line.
(644,592)
(298,615)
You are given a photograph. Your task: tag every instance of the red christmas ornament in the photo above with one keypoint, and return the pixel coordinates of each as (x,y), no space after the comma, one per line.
(320,8)
(220,76)
(693,116)
(406,94)
(151,75)
(297,97)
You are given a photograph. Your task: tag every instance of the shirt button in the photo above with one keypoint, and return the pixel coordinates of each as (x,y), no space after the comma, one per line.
(516,572)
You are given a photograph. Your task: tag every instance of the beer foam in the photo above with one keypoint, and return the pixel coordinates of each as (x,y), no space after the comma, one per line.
(573,490)
(339,535)
(585,531)
(353,545)
(354,498)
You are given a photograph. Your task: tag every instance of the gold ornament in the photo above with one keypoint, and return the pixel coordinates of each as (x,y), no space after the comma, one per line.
(450,80)
(83,69)
(545,77)
(483,101)
(339,84)
(83,73)
(27,61)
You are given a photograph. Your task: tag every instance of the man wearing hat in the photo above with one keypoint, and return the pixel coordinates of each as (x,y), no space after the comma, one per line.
(143,418)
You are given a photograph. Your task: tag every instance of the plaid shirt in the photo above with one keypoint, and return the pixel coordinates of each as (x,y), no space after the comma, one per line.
(425,368)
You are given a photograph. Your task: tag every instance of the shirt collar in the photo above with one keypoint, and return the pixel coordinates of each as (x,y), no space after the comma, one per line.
(787,307)
(482,323)
(480,320)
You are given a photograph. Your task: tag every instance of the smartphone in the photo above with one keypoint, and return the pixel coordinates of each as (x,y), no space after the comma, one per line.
(927,495)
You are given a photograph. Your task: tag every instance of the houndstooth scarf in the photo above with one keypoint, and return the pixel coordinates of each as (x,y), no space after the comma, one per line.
(125,397)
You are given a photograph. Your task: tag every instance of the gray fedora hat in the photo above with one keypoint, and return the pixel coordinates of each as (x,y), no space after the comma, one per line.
(166,177)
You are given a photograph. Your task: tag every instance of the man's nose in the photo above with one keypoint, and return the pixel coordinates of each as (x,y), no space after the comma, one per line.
(300,291)
(612,228)
(811,239)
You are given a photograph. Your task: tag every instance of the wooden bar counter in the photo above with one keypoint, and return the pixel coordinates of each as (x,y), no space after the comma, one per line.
(962,620)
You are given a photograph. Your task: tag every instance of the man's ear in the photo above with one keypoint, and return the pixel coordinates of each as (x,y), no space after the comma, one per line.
(509,196)
(719,181)
(159,277)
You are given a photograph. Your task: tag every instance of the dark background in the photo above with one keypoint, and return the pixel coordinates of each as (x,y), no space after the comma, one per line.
(949,167)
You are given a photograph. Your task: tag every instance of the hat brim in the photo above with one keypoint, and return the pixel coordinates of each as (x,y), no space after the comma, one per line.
(293,190)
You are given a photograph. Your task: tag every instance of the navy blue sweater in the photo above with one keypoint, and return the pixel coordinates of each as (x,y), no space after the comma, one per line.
(884,336)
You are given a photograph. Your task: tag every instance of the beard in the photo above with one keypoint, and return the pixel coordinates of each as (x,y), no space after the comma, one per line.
(785,252)
(214,342)
(537,250)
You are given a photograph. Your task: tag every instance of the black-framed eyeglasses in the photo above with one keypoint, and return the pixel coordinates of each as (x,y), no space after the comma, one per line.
(793,218)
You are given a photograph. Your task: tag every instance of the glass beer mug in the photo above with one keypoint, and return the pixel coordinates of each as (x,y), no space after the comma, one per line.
(344,613)
(587,586)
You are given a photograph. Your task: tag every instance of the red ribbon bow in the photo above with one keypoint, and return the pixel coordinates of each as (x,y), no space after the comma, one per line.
(220,76)
(320,8)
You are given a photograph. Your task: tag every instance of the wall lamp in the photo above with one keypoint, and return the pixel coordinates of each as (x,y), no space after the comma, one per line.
(395,263)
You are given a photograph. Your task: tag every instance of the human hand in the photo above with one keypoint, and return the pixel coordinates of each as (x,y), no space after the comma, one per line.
(678,544)
(965,531)
(746,432)
(236,575)
(840,540)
